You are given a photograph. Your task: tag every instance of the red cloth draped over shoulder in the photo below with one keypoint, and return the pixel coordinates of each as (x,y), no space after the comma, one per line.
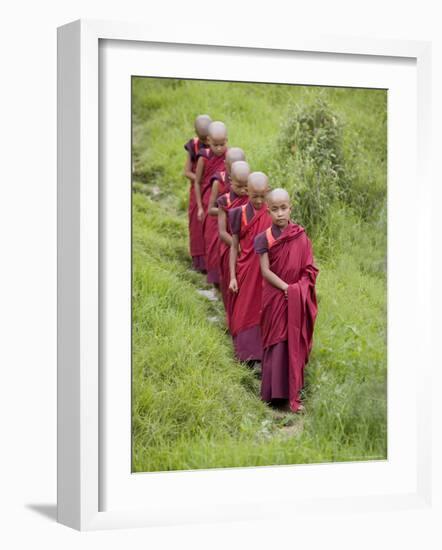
(226,202)
(213,165)
(214,169)
(291,319)
(246,303)
(196,240)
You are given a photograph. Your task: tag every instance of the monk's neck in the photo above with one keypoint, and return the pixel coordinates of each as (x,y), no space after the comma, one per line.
(280,227)
(258,210)
(201,143)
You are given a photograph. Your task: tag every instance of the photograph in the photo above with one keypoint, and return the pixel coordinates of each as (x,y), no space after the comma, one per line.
(259,274)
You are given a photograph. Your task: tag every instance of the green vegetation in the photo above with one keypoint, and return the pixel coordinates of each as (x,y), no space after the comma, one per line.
(194,406)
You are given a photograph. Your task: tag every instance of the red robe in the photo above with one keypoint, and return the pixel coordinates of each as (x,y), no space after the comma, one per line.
(211,235)
(290,320)
(196,239)
(214,168)
(226,202)
(246,303)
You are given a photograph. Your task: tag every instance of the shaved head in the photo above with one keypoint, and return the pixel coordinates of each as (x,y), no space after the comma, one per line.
(278,201)
(240,170)
(258,181)
(257,189)
(234,154)
(217,130)
(202,123)
(278,194)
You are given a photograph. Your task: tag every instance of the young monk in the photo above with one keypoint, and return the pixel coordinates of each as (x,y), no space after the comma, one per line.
(289,305)
(221,182)
(233,155)
(237,196)
(209,164)
(246,222)
(193,148)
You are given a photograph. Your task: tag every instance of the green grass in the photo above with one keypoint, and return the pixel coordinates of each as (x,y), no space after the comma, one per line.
(194,406)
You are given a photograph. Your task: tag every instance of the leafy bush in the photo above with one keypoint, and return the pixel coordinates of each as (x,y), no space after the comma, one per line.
(316,132)
(310,164)
(321,170)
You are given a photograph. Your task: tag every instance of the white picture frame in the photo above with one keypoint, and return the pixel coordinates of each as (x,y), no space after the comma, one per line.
(80,293)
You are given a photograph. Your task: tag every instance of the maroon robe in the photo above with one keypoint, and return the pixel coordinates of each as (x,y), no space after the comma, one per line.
(226,202)
(246,303)
(287,323)
(211,235)
(214,168)
(196,239)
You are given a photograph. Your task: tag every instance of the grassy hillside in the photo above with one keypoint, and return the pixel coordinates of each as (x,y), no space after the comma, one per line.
(194,406)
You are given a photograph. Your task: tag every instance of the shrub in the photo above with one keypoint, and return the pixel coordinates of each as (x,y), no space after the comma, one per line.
(310,163)
(321,169)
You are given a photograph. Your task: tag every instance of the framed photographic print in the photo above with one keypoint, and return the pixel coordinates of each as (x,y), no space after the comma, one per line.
(167,413)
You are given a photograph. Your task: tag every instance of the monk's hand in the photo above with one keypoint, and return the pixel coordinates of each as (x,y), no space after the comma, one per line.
(200,214)
(233,286)
(285,290)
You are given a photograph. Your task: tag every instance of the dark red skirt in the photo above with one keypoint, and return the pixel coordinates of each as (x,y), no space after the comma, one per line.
(247,344)
(199,263)
(275,372)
